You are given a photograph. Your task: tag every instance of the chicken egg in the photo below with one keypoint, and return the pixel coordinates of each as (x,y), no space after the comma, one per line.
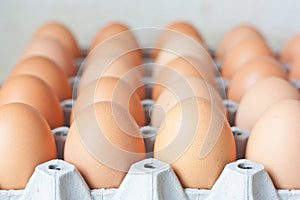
(195,138)
(234,36)
(252,71)
(274,142)
(179,90)
(48,71)
(115,90)
(35,92)
(184,28)
(259,97)
(52,50)
(25,141)
(242,52)
(109,66)
(178,68)
(119,38)
(62,34)
(103,142)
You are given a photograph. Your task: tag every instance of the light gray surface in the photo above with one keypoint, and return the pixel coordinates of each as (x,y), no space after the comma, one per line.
(278,20)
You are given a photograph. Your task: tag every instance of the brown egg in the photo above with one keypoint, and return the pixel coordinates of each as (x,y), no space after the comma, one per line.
(120,36)
(195,139)
(234,36)
(109,66)
(52,50)
(35,92)
(291,49)
(179,90)
(62,34)
(115,90)
(103,142)
(183,28)
(48,71)
(179,68)
(274,142)
(180,45)
(252,71)
(294,72)
(259,97)
(26,141)
(242,52)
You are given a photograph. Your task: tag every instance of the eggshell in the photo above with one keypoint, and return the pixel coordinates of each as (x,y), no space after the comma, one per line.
(119,35)
(242,52)
(62,34)
(195,139)
(182,89)
(52,50)
(179,68)
(291,49)
(103,142)
(181,27)
(115,90)
(26,141)
(35,92)
(48,71)
(234,36)
(259,97)
(115,67)
(252,71)
(274,142)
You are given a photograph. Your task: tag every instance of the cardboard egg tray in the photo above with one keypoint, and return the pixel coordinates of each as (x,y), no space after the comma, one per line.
(151,179)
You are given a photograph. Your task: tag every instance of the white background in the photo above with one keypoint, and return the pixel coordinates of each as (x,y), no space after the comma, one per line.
(277,20)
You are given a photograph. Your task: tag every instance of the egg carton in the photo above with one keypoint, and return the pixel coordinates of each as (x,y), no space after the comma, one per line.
(149,179)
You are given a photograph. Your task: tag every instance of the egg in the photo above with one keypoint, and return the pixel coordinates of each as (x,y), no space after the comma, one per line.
(291,49)
(274,142)
(62,34)
(234,36)
(242,52)
(179,68)
(103,142)
(52,50)
(195,138)
(181,46)
(120,36)
(115,90)
(259,97)
(115,67)
(181,27)
(182,89)
(48,71)
(26,141)
(252,71)
(35,92)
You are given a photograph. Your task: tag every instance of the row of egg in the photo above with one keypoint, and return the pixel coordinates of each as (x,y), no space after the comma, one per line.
(268,102)
(30,103)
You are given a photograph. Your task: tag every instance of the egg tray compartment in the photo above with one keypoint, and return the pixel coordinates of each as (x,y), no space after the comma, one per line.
(150,179)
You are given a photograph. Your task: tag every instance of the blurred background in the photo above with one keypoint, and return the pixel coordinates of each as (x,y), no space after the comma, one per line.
(277,20)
